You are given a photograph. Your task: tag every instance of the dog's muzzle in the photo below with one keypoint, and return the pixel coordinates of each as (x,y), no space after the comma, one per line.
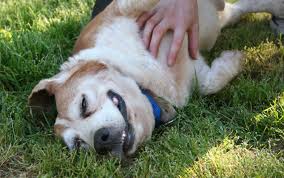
(113,140)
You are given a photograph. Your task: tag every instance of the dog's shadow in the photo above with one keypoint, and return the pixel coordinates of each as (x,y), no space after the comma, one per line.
(251,31)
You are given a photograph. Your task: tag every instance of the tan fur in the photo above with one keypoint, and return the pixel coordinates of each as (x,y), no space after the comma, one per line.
(59,129)
(65,93)
(87,38)
(40,100)
(90,68)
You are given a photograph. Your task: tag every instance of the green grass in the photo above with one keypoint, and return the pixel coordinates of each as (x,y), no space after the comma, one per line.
(238,132)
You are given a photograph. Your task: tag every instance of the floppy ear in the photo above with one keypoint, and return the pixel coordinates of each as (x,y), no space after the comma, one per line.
(41,98)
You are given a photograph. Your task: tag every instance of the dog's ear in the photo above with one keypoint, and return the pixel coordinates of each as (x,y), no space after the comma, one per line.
(41,98)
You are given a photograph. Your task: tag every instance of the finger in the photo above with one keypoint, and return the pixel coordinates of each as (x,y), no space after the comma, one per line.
(157,36)
(193,36)
(175,47)
(142,19)
(149,27)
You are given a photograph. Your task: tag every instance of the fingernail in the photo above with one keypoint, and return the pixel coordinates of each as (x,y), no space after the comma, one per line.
(153,54)
(145,43)
(170,63)
(195,54)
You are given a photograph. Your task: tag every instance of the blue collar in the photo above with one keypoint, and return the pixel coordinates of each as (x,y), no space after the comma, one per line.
(157,111)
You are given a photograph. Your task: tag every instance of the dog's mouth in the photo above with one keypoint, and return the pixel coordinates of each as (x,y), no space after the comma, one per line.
(128,139)
(128,136)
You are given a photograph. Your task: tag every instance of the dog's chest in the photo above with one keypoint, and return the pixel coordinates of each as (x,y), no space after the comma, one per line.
(123,38)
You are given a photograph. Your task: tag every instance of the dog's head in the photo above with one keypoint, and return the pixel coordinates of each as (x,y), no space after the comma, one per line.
(97,107)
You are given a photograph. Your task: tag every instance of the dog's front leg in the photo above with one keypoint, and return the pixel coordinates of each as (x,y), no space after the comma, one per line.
(222,71)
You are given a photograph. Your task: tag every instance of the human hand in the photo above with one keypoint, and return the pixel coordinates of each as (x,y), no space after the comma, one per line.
(180,16)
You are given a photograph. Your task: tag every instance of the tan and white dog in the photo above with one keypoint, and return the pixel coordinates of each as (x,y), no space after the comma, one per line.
(98,91)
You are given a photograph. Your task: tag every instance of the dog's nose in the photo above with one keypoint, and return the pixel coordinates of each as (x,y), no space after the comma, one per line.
(105,139)
(102,136)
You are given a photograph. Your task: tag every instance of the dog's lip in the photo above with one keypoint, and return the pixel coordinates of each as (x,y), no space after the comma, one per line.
(121,106)
(128,139)
(128,133)
(122,150)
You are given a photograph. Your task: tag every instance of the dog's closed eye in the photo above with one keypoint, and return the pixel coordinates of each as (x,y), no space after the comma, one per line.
(84,107)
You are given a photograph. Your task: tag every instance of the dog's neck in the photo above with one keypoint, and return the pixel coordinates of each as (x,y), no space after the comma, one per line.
(157,111)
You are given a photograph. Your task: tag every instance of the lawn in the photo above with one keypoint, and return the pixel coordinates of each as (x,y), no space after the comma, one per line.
(238,132)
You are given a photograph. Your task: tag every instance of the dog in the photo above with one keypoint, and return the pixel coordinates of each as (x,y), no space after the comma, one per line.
(111,93)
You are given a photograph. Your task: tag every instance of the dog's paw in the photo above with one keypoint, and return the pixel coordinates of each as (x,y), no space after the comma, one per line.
(235,58)
(230,15)
(231,62)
